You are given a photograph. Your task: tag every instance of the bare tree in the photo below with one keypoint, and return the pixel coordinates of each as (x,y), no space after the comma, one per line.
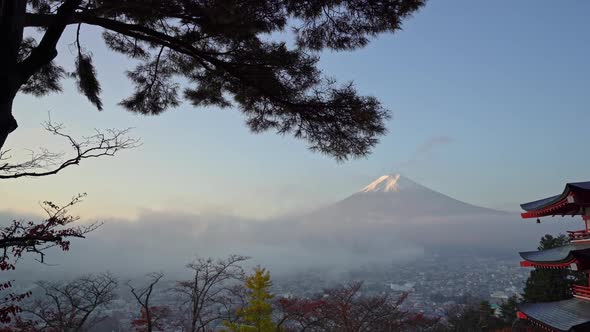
(143,295)
(236,297)
(20,236)
(212,293)
(44,162)
(72,306)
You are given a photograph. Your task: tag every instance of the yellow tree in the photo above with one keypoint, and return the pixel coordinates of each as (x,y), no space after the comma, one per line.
(257,314)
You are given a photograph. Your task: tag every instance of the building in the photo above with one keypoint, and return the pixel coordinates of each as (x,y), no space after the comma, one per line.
(571,314)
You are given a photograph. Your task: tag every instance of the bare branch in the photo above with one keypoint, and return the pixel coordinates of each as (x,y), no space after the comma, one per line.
(27,236)
(74,305)
(143,295)
(20,237)
(43,163)
(211,295)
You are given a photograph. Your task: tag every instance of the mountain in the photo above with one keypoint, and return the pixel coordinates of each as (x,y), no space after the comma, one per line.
(391,183)
(394,212)
(396,197)
(390,219)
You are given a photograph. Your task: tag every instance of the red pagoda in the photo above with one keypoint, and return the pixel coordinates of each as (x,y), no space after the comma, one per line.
(571,314)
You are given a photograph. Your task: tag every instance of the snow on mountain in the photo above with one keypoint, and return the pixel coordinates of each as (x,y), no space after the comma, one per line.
(390,183)
(393,212)
(397,198)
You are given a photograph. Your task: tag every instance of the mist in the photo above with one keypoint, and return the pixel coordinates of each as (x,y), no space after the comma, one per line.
(167,241)
(337,238)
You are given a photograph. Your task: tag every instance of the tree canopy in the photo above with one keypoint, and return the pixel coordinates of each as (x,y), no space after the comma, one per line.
(232,53)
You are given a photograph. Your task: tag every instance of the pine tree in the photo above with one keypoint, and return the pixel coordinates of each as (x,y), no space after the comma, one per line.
(473,318)
(508,310)
(219,48)
(257,315)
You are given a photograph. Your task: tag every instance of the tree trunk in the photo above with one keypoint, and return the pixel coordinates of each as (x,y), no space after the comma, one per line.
(148,315)
(12,15)
(7,122)
(13,73)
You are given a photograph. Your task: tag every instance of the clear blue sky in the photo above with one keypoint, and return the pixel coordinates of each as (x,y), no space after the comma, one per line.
(489,99)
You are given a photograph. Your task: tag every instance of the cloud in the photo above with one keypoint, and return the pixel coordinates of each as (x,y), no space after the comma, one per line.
(432,143)
(335,239)
(423,151)
(167,241)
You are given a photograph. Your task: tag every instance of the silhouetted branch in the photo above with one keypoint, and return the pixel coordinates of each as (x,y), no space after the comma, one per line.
(143,295)
(208,293)
(43,163)
(46,50)
(220,49)
(73,305)
(21,236)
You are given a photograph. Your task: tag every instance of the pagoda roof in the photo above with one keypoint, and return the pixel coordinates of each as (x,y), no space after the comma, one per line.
(565,253)
(571,201)
(567,315)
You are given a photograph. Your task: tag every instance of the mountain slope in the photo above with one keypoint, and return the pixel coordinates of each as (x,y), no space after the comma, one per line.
(394,211)
(394,196)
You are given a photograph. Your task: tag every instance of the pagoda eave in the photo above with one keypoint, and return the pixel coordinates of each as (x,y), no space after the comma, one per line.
(570,264)
(563,207)
(574,200)
(571,315)
(522,315)
(574,256)
(567,315)
(560,211)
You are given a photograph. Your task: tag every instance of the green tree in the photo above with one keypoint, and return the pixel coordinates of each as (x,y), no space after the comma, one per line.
(473,318)
(221,48)
(549,241)
(508,310)
(257,314)
(546,285)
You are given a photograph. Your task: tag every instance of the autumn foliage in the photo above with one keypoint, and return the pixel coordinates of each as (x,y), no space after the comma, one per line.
(346,309)
(157,316)
(9,307)
(21,237)
(342,309)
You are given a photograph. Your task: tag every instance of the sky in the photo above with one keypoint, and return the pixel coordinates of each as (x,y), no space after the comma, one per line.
(489,102)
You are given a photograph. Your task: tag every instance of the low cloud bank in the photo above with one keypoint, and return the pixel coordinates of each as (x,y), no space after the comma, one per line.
(161,241)
(166,241)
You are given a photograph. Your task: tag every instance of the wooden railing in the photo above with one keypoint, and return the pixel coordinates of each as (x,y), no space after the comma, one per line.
(583,234)
(581,291)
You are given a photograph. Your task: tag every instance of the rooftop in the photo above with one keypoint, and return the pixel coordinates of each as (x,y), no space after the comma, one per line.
(562,254)
(574,200)
(567,315)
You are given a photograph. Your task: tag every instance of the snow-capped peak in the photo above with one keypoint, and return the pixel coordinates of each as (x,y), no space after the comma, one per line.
(388,183)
